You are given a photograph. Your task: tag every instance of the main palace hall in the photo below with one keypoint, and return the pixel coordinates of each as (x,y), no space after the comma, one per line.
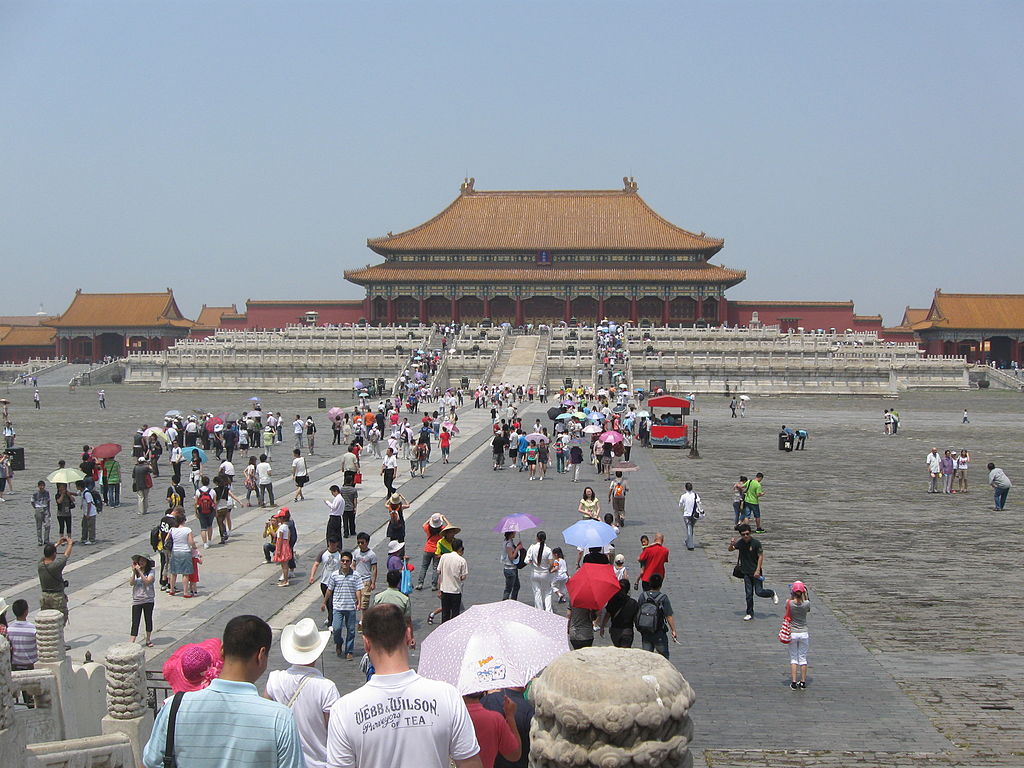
(544,257)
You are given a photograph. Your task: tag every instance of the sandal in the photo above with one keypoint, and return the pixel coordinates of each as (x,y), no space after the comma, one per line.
(189,594)
(282,583)
(149,645)
(171,592)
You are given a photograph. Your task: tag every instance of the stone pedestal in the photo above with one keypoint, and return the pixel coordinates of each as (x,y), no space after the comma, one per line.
(611,708)
(53,657)
(12,739)
(127,712)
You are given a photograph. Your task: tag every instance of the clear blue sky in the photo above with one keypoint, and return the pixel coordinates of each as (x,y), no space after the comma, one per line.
(246,149)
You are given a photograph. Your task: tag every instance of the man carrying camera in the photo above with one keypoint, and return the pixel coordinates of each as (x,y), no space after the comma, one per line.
(51,577)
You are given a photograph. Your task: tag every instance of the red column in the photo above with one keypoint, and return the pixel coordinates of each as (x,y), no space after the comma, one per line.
(519,312)
(634,311)
(367,308)
(455,310)
(423,311)
(487,307)
(1015,350)
(664,312)
(391,311)
(600,309)
(723,310)
(94,357)
(567,313)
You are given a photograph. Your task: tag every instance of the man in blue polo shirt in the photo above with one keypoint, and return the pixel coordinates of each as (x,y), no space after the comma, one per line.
(228,724)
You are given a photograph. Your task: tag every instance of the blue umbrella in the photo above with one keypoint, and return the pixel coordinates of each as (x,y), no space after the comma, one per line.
(595,416)
(589,533)
(186,454)
(564,416)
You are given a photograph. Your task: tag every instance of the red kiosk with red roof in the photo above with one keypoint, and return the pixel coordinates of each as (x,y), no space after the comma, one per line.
(669,429)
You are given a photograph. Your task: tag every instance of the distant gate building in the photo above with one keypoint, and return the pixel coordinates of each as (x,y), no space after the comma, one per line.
(545,257)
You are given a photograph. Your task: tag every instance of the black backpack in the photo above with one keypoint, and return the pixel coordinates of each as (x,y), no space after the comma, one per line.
(650,617)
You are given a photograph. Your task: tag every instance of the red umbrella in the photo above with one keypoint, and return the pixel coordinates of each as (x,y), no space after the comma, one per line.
(212,423)
(106,451)
(592,586)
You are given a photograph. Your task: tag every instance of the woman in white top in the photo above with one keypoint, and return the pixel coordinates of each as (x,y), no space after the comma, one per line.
(180,542)
(539,556)
(963,463)
(300,475)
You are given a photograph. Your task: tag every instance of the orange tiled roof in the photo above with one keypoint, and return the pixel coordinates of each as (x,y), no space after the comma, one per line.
(209,317)
(981,311)
(26,336)
(23,319)
(571,273)
(119,310)
(525,221)
(912,316)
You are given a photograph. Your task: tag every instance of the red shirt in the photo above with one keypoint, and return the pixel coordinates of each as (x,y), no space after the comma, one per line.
(653,558)
(446,439)
(492,732)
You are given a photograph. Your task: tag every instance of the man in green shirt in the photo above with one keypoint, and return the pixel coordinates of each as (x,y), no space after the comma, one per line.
(752,494)
(394,596)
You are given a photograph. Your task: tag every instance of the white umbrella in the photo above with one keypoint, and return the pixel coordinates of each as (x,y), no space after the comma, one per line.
(593,429)
(744,397)
(493,645)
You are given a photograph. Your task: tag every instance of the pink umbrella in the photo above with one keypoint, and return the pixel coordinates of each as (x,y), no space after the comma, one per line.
(211,424)
(335,413)
(611,436)
(538,437)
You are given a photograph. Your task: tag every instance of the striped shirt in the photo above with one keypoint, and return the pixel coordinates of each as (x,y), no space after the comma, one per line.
(227,725)
(344,588)
(22,637)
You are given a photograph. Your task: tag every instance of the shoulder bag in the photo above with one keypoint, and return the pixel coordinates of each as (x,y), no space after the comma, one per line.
(785,632)
(169,759)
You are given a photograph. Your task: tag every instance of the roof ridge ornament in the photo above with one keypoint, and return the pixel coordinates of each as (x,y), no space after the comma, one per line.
(467,186)
(629,184)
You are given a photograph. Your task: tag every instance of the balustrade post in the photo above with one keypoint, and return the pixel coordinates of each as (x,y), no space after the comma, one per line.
(127,712)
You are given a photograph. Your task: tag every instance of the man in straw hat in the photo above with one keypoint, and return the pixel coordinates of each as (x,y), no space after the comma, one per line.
(399,718)
(227,724)
(303,689)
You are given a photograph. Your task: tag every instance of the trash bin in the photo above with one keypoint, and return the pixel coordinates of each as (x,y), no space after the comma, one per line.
(17,459)
(321,402)
(785,442)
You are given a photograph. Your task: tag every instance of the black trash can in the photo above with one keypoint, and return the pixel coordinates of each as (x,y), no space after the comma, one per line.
(321,402)
(785,442)
(17,459)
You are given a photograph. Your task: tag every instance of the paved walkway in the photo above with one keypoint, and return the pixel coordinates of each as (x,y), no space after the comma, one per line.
(738,669)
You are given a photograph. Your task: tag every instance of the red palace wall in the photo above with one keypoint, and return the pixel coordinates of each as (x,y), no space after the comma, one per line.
(24,353)
(808,316)
(280,315)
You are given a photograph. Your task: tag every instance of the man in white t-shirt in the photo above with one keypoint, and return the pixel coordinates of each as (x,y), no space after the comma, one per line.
(264,485)
(304,690)
(364,561)
(398,717)
(298,427)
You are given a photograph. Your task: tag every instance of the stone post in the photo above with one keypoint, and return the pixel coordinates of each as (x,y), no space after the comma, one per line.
(12,738)
(53,656)
(127,712)
(633,714)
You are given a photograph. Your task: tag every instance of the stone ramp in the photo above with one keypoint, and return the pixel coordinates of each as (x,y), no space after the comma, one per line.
(60,377)
(520,365)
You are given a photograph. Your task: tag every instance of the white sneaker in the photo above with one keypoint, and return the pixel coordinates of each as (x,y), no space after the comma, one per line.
(206,545)
(775,598)
(748,617)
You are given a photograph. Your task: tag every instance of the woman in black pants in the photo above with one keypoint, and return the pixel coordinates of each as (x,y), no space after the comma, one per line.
(143,596)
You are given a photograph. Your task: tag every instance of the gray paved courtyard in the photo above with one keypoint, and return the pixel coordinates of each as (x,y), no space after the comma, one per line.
(912,661)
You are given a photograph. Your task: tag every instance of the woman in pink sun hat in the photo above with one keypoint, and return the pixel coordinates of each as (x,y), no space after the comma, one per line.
(193,666)
(798,606)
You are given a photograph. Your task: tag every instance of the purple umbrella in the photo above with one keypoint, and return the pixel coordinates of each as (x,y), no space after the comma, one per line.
(518,522)
(538,437)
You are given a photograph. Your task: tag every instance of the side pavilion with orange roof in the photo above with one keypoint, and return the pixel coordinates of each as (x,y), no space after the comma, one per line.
(100,325)
(543,257)
(985,327)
